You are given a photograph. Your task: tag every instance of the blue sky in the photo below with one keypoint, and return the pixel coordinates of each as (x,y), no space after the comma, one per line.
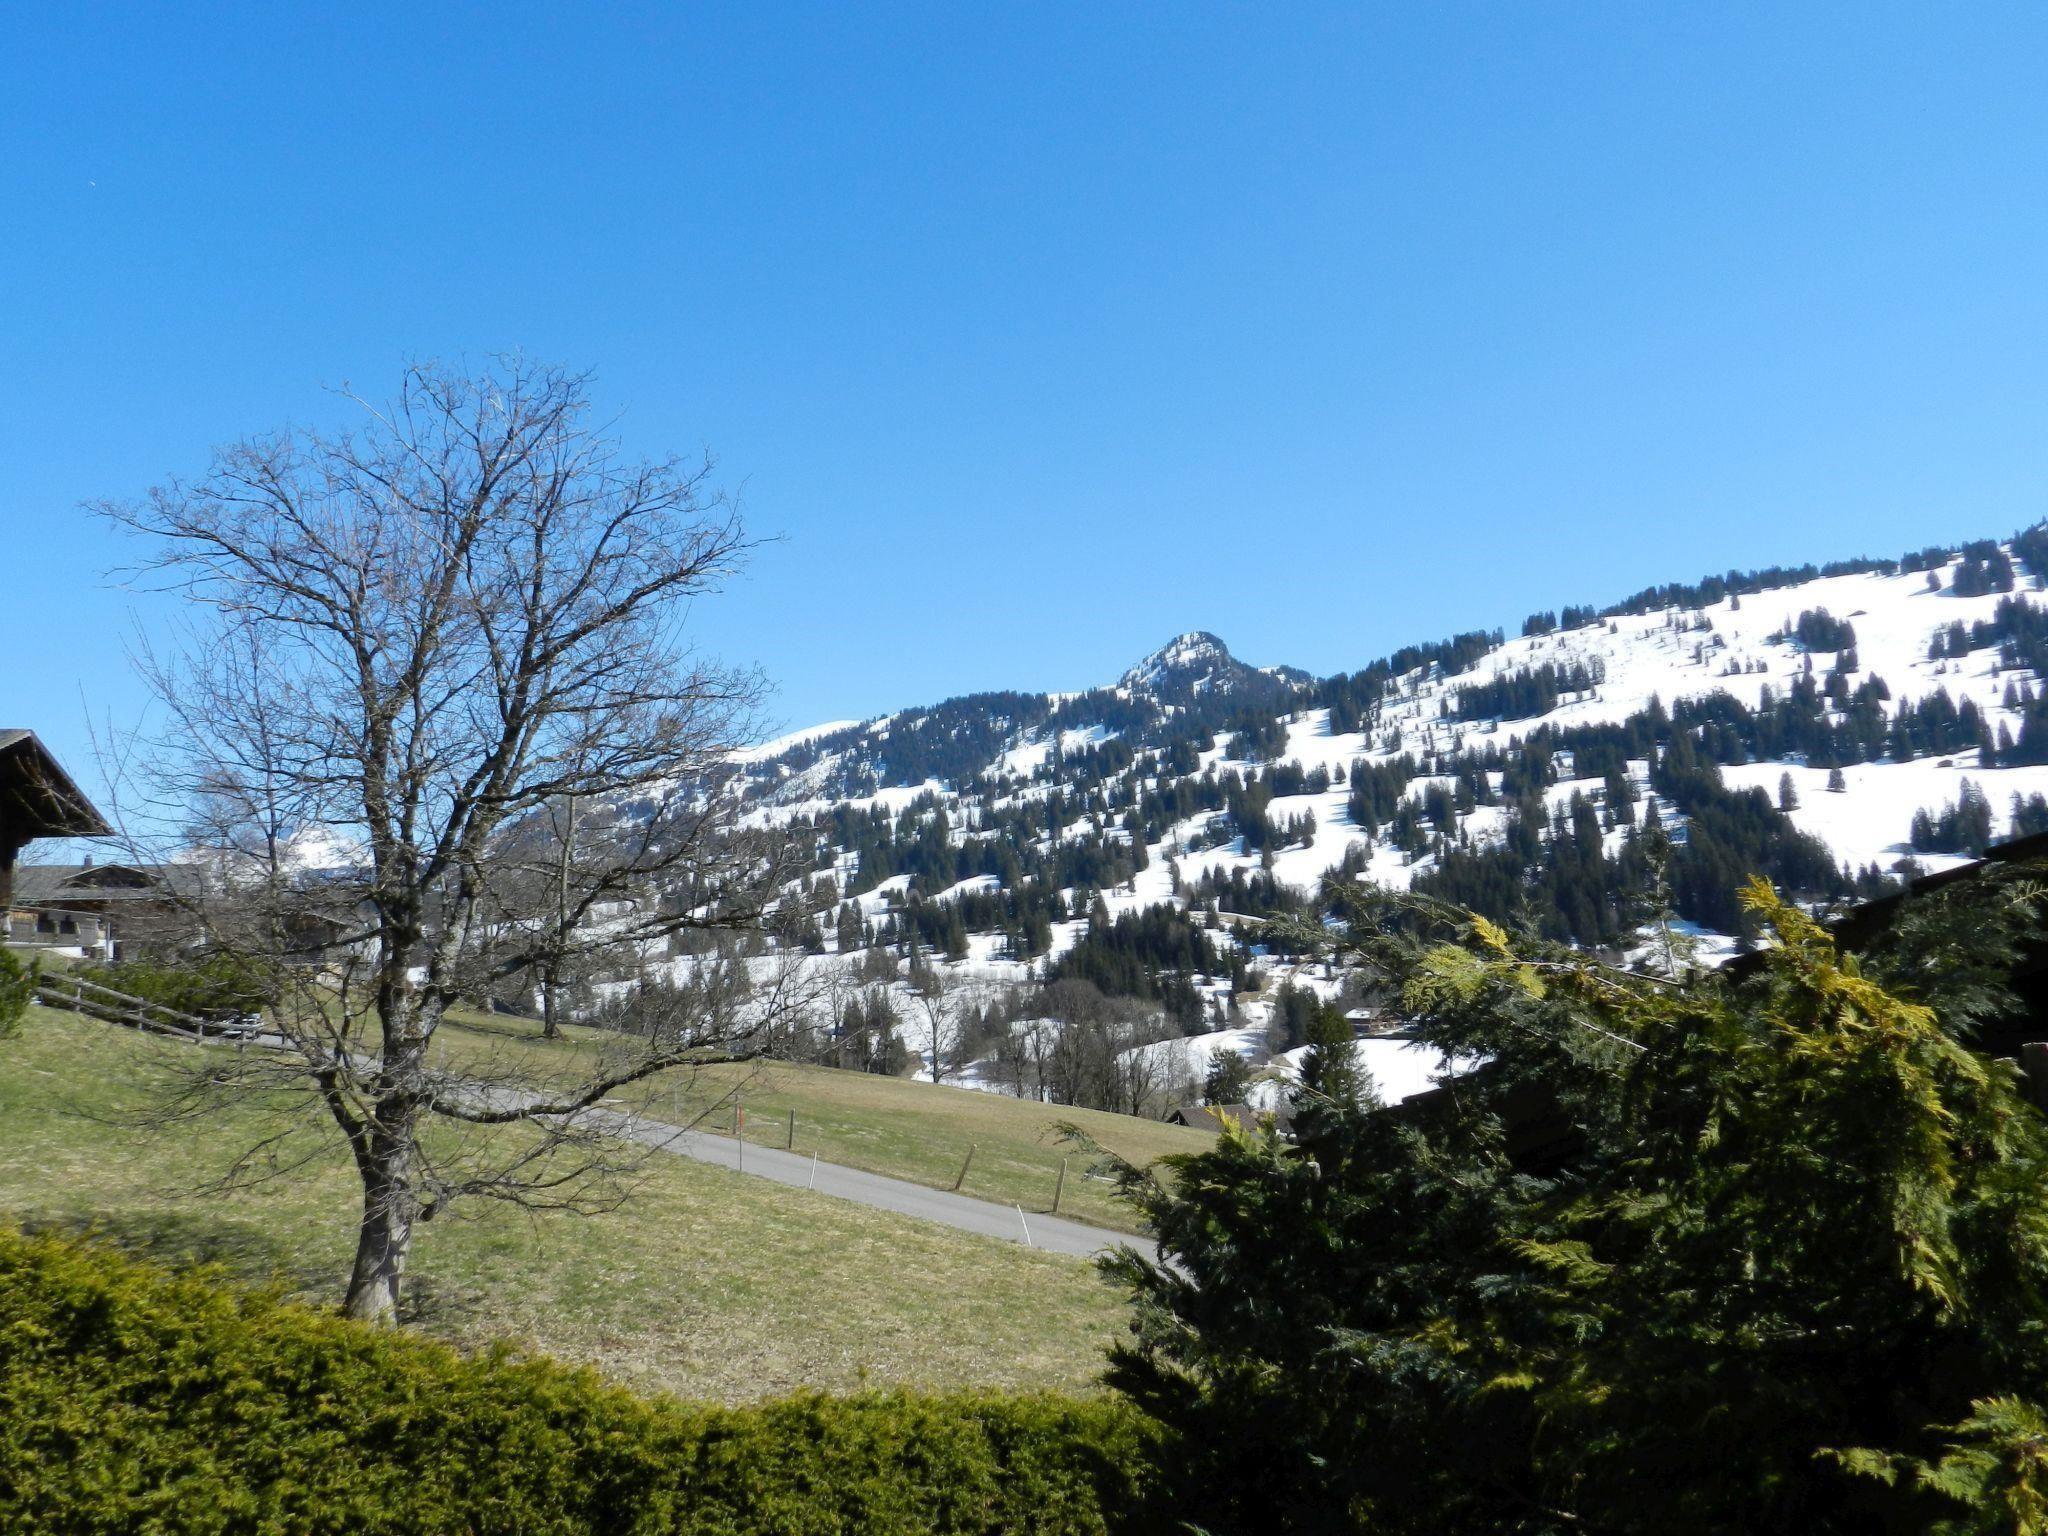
(1042,333)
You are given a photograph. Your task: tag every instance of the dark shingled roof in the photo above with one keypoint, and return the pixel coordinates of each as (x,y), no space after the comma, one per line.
(37,797)
(51,885)
(1858,925)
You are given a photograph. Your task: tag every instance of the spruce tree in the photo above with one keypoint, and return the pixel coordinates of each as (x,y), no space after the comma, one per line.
(1330,1073)
(1228,1080)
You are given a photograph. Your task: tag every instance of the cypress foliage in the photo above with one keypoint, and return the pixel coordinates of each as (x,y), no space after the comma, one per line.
(1789,1272)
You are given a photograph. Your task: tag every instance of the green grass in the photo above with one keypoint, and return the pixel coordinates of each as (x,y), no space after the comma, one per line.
(908,1129)
(706,1284)
(912,1130)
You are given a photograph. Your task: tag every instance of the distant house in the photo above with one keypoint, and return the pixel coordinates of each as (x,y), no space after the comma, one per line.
(84,906)
(1213,1117)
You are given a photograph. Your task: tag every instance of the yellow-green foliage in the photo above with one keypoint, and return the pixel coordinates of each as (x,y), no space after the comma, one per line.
(17,990)
(1764,1255)
(135,1398)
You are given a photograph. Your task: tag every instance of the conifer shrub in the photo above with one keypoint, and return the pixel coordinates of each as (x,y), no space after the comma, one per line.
(17,990)
(1767,1255)
(213,985)
(134,1398)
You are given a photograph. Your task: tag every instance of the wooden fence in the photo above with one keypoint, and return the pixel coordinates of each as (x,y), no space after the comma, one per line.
(75,993)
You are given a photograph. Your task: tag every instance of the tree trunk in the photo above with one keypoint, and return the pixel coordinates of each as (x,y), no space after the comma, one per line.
(550,1027)
(382,1247)
(384,1158)
(551,973)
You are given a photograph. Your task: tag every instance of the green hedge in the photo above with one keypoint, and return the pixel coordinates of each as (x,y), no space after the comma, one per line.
(17,988)
(137,1399)
(216,984)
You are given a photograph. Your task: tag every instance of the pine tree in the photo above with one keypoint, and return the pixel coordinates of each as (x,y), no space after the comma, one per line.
(1229,1078)
(1330,1073)
(1788,794)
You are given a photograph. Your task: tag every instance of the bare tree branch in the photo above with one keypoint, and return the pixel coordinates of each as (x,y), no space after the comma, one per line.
(415,648)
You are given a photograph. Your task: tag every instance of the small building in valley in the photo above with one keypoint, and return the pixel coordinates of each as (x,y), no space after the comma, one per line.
(1213,1117)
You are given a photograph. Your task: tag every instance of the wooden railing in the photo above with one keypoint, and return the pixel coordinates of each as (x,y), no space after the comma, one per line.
(58,990)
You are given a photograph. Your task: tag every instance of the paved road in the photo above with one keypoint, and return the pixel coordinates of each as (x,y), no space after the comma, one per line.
(1054,1233)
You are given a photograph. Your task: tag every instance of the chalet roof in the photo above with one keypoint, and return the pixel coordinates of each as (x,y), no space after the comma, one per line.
(1859,924)
(1212,1117)
(37,797)
(1540,1134)
(54,884)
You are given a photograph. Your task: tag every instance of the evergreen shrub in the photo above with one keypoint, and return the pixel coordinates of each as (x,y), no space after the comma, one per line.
(136,1398)
(214,985)
(17,990)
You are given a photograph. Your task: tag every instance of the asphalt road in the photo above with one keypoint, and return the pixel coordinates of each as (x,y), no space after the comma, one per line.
(1055,1234)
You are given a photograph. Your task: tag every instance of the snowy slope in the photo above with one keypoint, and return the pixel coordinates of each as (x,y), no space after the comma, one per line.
(1735,646)
(1040,777)
(995,839)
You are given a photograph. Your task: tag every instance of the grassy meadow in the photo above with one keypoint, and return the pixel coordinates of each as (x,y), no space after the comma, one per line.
(707,1284)
(912,1130)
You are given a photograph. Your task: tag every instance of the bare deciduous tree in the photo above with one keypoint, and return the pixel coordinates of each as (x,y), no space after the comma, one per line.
(421,642)
(944,1016)
(1095,1056)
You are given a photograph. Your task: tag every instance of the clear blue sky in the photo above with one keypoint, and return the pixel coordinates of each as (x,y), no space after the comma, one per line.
(1042,333)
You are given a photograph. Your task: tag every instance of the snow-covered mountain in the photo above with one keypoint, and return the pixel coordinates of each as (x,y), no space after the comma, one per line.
(1792,723)
(1266,761)
(1198,663)
(1743,646)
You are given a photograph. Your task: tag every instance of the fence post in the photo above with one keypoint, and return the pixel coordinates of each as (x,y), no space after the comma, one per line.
(790,1144)
(962,1179)
(1059,1186)
(739,1130)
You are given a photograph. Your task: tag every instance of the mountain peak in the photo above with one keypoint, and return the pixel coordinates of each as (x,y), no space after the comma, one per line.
(1194,653)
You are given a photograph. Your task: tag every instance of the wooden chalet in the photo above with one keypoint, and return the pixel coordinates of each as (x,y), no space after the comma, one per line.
(82,906)
(37,800)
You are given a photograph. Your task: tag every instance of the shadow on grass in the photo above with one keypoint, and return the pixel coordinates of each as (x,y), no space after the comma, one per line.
(254,1254)
(184,1238)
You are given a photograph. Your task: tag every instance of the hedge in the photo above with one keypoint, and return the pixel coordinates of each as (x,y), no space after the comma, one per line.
(216,984)
(17,988)
(133,1398)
